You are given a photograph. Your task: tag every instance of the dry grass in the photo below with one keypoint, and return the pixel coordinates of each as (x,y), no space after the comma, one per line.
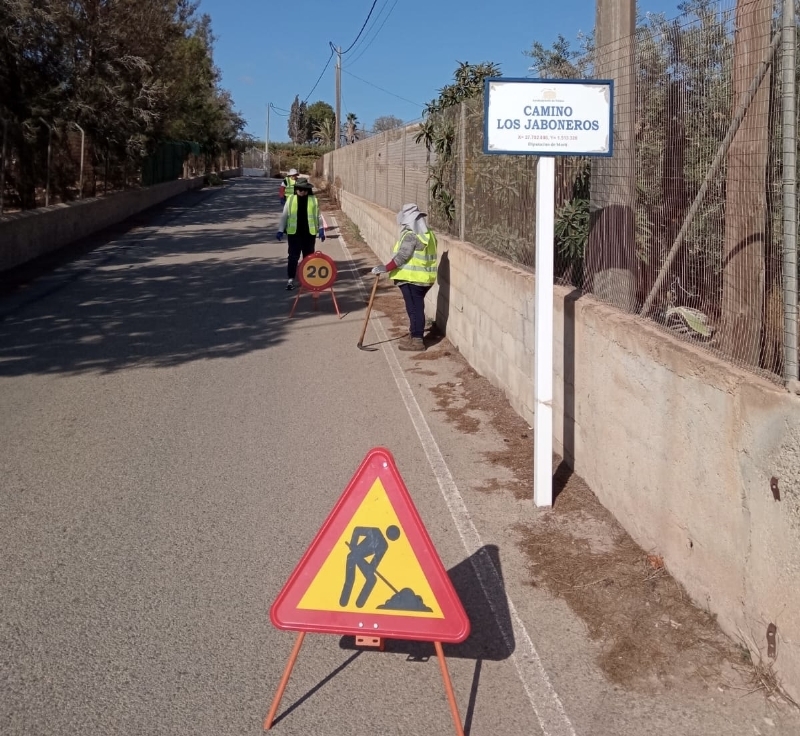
(758,675)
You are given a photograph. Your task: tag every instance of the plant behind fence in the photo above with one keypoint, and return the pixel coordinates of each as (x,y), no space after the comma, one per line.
(688,231)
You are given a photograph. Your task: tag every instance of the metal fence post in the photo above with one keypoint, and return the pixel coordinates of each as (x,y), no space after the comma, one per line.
(49,146)
(83,141)
(3,165)
(789,133)
(386,162)
(403,170)
(462,164)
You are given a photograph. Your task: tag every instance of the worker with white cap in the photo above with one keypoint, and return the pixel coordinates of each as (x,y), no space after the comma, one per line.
(413,269)
(287,186)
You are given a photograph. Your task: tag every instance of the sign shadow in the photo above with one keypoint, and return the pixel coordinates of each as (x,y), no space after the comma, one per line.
(478,580)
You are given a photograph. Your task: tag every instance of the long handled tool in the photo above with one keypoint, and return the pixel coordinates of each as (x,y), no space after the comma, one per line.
(366,319)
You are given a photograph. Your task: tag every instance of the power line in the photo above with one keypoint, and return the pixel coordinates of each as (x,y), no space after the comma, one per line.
(276,110)
(374,3)
(370,26)
(327,63)
(369,43)
(404,99)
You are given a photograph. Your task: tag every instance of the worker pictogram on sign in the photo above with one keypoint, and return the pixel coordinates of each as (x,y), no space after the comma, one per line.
(372,569)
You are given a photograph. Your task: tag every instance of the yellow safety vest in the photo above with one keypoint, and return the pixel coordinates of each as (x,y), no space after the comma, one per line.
(288,186)
(313,215)
(421,267)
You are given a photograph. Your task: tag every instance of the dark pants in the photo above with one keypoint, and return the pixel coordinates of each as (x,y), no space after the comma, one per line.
(299,244)
(414,296)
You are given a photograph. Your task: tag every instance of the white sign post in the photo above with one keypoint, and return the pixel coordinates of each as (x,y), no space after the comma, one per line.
(547,118)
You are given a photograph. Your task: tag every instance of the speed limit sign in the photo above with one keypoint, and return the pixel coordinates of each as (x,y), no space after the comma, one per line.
(317,272)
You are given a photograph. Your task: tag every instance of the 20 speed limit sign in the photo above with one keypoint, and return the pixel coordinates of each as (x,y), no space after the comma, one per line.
(317,272)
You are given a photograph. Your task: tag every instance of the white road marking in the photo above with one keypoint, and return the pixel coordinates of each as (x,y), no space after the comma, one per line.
(543,697)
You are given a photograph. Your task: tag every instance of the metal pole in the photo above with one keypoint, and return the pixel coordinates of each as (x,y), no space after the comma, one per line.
(789,133)
(83,141)
(543,333)
(387,203)
(49,141)
(3,166)
(266,145)
(462,161)
(403,170)
(338,96)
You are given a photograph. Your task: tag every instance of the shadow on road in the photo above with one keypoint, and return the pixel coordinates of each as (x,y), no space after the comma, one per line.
(175,289)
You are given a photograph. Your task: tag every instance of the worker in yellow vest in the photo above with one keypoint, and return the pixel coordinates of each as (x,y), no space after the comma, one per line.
(287,185)
(413,269)
(302,221)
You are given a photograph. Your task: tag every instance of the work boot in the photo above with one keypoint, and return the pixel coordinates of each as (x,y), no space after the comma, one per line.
(411,344)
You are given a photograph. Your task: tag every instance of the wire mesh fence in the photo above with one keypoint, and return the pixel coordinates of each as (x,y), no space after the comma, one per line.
(691,224)
(48,162)
(390,168)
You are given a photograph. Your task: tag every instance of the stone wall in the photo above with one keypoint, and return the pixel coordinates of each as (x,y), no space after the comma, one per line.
(30,234)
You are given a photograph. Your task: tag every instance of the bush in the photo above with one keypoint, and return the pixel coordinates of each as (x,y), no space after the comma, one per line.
(287,156)
(213,180)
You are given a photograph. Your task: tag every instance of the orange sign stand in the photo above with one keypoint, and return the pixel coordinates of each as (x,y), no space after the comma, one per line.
(316,273)
(372,572)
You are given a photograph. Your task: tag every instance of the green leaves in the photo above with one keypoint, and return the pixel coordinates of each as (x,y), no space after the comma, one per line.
(694,319)
(438,133)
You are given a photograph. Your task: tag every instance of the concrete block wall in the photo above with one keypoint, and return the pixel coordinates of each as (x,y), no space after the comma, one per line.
(679,446)
(30,234)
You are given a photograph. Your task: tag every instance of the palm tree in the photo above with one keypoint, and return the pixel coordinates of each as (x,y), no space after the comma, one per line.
(325,132)
(352,124)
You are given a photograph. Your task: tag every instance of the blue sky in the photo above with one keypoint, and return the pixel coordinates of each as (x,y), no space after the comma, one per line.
(271,51)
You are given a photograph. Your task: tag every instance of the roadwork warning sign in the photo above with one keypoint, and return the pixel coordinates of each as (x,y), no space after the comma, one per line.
(372,569)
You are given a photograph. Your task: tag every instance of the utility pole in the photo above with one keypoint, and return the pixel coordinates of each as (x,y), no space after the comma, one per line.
(338,96)
(611,250)
(267,169)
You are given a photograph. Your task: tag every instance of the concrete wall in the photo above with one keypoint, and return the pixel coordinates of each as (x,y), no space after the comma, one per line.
(679,446)
(27,235)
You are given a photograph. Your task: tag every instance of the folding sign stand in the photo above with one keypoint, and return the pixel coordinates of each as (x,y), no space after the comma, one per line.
(379,644)
(316,273)
(372,545)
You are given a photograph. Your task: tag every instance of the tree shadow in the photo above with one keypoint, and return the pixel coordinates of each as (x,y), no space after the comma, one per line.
(194,291)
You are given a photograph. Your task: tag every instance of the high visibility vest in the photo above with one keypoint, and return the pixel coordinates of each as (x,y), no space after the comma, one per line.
(288,186)
(313,215)
(421,267)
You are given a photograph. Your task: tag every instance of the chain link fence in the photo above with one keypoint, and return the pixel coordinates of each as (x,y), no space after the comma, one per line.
(390,168)
(48,162)
(691,224)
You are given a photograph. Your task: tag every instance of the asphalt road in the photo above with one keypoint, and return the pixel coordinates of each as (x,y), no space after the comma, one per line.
(171,442)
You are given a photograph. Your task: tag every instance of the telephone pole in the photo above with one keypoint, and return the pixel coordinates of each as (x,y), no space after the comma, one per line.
(338,96)
(267,168)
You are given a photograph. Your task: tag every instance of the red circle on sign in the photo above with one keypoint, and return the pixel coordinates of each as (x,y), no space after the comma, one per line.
(317,272)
